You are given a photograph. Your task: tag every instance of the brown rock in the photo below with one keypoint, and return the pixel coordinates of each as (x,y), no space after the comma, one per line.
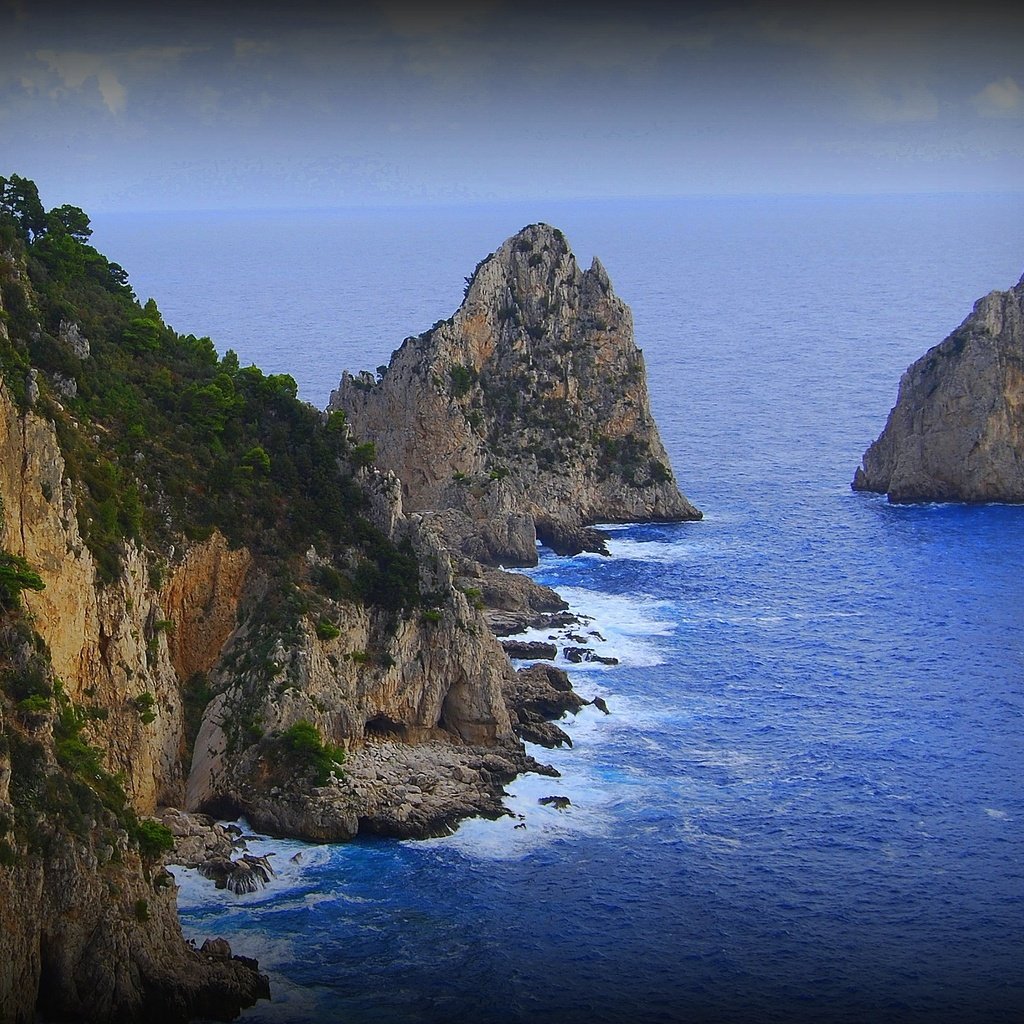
(956,432)
(526,414)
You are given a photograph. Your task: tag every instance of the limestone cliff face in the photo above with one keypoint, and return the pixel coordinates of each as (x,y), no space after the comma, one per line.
(108,645)
(526,414)
(366,677)
(86,930)
(201,601)
(176,635)
(956,432)
(373,683)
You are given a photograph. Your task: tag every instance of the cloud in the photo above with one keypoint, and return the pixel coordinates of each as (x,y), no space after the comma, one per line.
(77,68)
(899,104)
(1003,98)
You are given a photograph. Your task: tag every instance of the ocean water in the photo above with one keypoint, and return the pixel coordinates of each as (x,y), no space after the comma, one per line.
(807,803)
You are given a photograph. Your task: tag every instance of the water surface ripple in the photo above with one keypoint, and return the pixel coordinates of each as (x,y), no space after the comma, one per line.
(807,803)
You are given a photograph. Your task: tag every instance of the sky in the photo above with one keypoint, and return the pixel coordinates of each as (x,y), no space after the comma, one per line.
(297,104)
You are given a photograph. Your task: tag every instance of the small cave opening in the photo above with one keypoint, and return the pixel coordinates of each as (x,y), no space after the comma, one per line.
(381,727)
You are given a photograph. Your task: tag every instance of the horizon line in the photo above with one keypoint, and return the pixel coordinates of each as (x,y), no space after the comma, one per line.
(366,206)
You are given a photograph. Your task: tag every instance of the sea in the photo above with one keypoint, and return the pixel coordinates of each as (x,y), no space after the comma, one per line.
(807,801)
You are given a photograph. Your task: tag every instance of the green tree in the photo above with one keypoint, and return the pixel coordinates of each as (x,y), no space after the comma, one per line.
(16,575)
(19,200)
(69,220)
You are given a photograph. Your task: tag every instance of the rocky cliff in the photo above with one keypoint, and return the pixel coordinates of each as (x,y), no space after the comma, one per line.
(89,928)
(956,432)
(526,414)
(375,683)
(207,597)
(107,644)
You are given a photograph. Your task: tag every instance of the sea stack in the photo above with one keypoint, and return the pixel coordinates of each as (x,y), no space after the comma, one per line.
(526,414)
(956,432)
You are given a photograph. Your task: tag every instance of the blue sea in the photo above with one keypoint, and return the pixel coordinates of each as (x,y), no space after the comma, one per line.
(807,803)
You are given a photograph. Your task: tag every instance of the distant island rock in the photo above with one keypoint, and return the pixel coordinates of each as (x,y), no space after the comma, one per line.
(956,432)
(525,415)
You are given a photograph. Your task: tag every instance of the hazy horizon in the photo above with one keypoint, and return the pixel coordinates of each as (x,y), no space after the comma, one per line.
(399,104)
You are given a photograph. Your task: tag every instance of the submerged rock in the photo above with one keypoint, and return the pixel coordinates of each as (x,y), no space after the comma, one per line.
(560,803)
(577,655)
(956,432)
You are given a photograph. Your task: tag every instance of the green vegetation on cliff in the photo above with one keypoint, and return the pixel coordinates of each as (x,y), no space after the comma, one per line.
(58,784)
(164,438)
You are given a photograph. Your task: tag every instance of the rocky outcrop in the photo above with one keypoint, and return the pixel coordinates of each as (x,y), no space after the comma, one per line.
(88,936)
(373,684)
(956,432)
(532,650)
(526,414)
(538,696)
(391,788)
(511,601)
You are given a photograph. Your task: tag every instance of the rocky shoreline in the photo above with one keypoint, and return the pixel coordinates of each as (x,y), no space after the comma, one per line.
(326,667)
(405,791)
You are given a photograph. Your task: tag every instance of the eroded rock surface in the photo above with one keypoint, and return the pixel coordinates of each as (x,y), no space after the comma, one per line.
(526,414)
(537,697)
(956,432)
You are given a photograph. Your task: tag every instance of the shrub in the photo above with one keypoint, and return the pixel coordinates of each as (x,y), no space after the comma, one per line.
(37,704)
(331,582)
(327,630)
(658,472)
(153,838)
(145,704)
(306,750)
(256,461)
(364,455)
(16,575)
(463,378)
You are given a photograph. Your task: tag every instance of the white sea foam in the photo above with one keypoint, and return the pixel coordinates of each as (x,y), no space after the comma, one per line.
(626,622)
(661,552)
(590,813)
(291,860)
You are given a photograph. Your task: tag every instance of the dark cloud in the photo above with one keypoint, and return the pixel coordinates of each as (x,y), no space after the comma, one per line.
(304,103)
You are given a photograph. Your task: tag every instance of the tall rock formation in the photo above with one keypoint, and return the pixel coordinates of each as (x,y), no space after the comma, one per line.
(956,432)
(526,414)
(207,597)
